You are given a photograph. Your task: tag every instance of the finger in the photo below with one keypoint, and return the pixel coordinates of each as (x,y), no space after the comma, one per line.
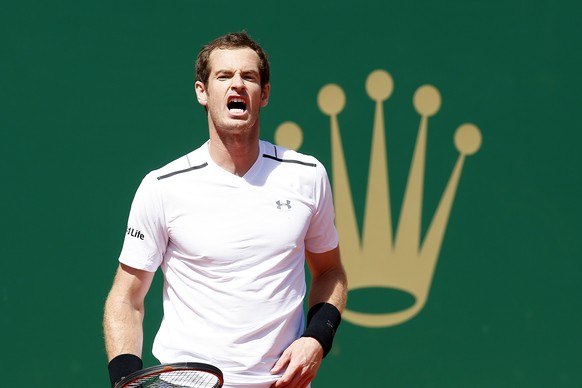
(304,379)
(281,363)
(284,381)
(298,381)
(294,377)
(289,378)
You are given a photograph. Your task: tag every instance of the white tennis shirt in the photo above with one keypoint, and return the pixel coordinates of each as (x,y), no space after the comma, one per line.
(232,253)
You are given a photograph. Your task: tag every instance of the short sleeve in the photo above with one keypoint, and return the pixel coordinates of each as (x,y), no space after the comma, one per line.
(322,234)
(146,235)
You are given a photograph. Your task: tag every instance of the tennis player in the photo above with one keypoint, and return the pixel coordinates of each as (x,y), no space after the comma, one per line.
(231,225)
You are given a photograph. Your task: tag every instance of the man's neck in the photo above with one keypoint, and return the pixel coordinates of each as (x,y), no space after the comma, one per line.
(235,154)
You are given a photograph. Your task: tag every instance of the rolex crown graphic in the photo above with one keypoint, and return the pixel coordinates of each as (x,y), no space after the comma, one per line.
(381,257)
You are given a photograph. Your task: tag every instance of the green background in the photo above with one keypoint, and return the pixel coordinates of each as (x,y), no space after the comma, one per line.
(94,94)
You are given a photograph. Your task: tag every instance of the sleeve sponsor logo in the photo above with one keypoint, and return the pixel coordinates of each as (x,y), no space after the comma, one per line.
(135,233)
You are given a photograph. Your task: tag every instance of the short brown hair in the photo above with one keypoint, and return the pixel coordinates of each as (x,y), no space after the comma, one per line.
(231,40)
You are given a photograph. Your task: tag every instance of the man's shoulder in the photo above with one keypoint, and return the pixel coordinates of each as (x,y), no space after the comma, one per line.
(193,160)
(286,155)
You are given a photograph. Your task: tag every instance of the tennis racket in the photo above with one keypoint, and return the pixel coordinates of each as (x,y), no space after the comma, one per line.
(176,375)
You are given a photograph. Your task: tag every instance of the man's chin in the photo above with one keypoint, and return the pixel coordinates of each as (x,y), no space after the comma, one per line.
(236,127)
(238,117)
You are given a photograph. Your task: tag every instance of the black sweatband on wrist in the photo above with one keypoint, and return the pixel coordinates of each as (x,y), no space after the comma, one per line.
(123,365)
(323,319)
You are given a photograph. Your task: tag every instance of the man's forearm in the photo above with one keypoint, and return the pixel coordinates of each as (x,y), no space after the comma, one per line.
(329,287)
(122,327)
(123,322)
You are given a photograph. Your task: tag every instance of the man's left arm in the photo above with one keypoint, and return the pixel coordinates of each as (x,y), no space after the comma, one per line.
(326,301)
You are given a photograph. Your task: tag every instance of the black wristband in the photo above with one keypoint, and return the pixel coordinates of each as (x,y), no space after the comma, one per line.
(123,365)
(323,320)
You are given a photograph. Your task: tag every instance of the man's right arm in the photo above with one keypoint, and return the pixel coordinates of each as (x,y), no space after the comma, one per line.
(123,316)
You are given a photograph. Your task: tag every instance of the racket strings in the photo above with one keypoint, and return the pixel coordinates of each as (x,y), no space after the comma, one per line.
(177,379)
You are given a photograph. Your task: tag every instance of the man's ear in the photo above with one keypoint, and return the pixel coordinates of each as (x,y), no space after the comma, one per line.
(201,93)
(265,95)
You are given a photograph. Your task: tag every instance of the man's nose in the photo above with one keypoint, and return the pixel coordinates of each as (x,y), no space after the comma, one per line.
(237,82)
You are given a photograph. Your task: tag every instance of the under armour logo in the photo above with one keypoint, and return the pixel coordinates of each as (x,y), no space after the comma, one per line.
(287,203)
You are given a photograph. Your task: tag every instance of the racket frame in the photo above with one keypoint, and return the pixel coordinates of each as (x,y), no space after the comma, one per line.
(176,366)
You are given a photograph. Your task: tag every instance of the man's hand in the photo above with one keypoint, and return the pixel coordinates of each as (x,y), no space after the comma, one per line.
(302,360)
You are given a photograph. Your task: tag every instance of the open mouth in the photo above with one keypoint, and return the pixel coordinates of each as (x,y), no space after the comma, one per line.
(236,105)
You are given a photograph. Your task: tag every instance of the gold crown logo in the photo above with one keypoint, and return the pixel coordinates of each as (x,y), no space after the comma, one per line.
(378,259)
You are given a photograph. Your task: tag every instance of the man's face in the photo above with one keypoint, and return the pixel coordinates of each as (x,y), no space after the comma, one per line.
(233,95)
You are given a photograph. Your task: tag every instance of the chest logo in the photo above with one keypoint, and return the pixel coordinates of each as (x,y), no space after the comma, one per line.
(283,205)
